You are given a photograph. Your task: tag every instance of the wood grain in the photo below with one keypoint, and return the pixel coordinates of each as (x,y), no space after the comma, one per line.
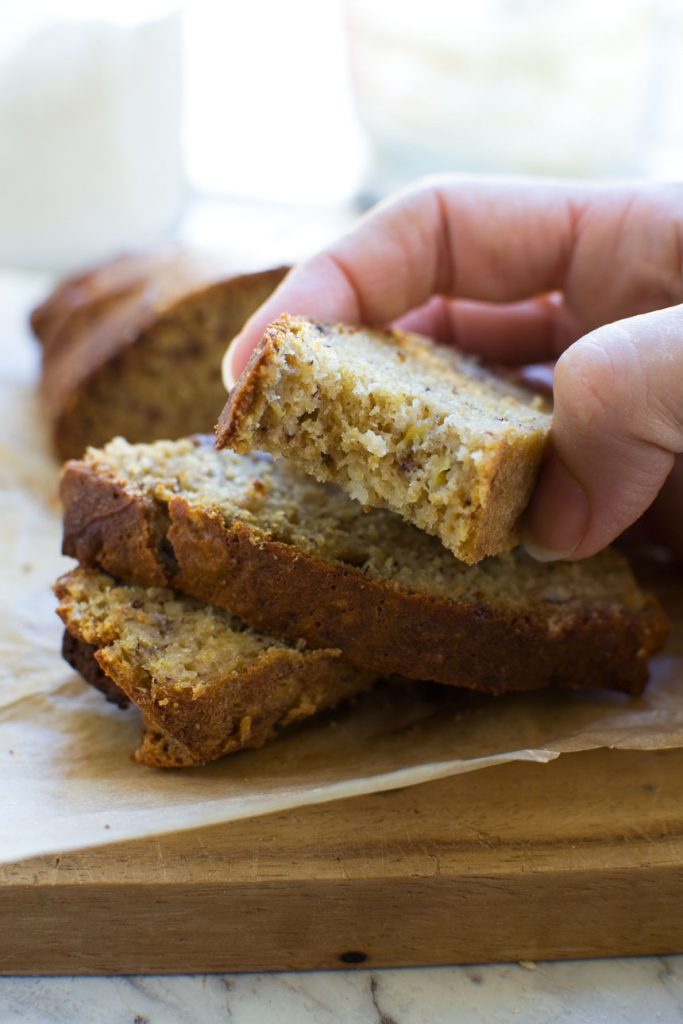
(582,857)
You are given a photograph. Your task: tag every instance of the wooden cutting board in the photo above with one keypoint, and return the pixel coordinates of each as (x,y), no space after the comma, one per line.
(578,858)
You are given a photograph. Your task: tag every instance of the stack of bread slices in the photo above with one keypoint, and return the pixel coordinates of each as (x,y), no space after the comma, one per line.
(229,593)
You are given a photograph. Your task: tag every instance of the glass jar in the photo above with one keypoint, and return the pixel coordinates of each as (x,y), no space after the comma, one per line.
(90,129)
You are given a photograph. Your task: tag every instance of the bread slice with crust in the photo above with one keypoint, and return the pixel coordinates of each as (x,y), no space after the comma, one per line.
(397,422)
(302,560)
(122,338)
(206,684)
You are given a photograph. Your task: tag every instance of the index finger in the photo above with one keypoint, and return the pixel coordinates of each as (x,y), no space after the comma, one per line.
(614,251)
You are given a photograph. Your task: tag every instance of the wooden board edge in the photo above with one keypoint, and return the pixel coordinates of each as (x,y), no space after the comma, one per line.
(148,929)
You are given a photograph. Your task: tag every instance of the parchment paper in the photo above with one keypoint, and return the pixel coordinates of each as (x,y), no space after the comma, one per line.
(67,781)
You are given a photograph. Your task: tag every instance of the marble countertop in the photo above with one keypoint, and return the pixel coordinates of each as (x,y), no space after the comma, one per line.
(625,991)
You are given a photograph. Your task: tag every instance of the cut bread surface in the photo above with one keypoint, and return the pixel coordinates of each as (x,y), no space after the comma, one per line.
(397,422)
(203,680)
(301,560)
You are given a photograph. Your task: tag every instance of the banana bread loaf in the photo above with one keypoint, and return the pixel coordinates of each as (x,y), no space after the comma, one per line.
(121,339)
(205,683)
(301,560)
(396,421)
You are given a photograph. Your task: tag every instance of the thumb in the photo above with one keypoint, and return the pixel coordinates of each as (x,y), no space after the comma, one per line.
(617,425)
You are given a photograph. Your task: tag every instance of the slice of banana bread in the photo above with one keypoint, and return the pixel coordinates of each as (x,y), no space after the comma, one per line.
(300,559)
(398,422)
(205,683)
(122,338)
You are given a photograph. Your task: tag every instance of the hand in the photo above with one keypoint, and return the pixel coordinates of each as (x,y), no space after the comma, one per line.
(521,272)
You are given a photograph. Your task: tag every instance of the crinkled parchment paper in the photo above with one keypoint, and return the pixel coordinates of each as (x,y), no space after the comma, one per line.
(67,781)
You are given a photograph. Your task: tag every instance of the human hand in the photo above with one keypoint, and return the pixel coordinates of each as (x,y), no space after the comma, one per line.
(524,272)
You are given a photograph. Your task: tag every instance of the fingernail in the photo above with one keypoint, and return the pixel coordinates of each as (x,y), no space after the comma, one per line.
(540,553)
(557,519)
(227,371)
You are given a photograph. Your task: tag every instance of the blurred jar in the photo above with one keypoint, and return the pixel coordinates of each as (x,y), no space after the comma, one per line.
(553,87)
(90,133)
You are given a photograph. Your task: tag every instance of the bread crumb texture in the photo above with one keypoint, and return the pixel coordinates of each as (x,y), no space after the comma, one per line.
(397,422)
(203,680)
(300,559)
(282,504)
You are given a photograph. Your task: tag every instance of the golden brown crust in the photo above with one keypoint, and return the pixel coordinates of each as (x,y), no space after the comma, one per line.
(81,656)
(245,396)
(109,527)
(245,709)
(512,482)
(290,593)
(282,687)
(91,321)
(157,750)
